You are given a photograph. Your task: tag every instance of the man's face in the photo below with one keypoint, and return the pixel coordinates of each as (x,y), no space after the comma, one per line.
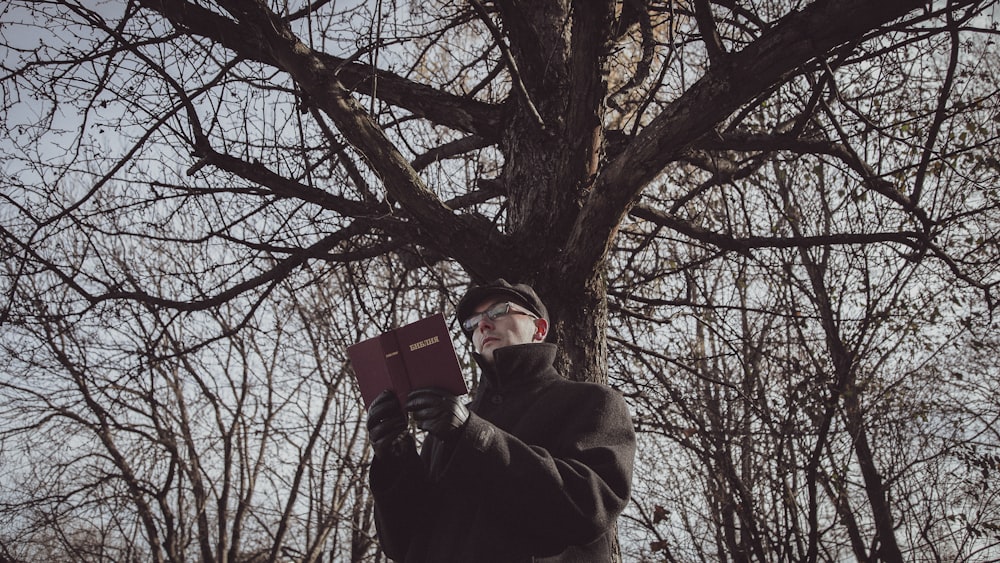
(508,330)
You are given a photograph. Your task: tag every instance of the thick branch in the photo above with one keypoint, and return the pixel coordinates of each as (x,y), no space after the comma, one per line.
(709,32)
(773,58)
(449,150)
(456,235)
(845,154)
(463,114)
(508,57)
(744,245)
(284,187)
(280,270)
(637,10)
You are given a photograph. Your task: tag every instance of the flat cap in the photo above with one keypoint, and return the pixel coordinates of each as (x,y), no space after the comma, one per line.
(523,294)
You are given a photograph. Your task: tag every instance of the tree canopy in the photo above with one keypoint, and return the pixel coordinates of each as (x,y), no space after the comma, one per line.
(771,223)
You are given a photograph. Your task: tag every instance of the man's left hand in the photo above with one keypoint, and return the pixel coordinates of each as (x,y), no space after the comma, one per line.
(437,411)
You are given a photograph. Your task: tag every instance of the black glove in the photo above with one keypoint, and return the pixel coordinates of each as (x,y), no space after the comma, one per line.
(437,411)
(386,425)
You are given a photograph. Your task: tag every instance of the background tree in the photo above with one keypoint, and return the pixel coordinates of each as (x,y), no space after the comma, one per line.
(781,216)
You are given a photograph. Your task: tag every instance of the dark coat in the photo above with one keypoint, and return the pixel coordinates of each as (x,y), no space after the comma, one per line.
(540,472)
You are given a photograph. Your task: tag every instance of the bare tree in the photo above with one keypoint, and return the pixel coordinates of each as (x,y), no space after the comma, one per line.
(756,218)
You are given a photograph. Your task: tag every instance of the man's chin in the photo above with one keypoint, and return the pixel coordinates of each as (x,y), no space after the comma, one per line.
(488,349)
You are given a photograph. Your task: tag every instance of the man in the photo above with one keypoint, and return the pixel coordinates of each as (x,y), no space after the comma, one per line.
(536,468)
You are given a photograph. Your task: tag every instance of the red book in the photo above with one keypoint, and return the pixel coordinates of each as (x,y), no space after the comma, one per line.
(416,355)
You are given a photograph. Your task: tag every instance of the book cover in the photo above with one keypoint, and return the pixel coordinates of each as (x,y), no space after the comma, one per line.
(420,354)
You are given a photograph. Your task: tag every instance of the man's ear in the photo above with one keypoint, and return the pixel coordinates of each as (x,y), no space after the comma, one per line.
(541,329)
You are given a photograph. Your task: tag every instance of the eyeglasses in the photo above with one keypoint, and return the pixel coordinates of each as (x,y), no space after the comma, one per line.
(494,313)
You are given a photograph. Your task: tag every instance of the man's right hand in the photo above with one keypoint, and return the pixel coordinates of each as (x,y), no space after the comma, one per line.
(386,425)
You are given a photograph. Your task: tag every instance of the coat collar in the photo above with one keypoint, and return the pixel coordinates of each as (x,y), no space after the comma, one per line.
(518,364)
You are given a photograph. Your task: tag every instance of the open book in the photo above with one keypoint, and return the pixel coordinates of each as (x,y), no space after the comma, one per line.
(420,354)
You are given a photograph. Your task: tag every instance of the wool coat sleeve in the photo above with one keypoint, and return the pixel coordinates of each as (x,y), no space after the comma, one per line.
(558,477)
(401,489)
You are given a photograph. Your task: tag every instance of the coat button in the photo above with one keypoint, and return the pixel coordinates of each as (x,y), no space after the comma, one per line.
(496,399)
